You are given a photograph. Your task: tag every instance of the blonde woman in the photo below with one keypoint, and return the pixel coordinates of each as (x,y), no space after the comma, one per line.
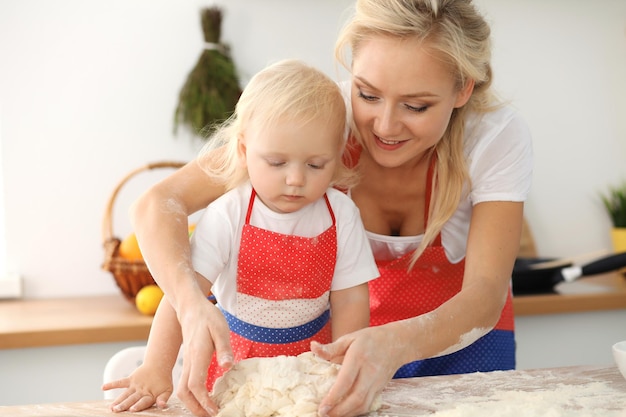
(444,172)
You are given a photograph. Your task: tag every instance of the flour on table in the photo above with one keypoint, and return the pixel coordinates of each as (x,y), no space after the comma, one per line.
(288,386)
(558,401)
(506,394)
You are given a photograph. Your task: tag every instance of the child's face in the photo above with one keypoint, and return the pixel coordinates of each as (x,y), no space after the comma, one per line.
(290,164)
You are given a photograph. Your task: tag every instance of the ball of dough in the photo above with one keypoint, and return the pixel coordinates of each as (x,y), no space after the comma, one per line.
(285,386)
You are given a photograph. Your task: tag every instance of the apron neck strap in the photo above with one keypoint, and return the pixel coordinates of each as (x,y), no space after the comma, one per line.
(253,195)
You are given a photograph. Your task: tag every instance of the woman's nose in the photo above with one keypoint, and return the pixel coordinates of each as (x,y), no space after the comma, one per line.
(387,122)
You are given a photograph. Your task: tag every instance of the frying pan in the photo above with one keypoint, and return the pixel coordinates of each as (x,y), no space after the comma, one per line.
(540,275)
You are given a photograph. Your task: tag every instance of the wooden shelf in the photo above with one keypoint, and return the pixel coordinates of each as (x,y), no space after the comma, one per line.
(67,321)
(605,292)
(112,318)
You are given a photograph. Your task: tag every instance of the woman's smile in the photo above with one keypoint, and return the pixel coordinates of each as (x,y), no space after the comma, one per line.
(389,145)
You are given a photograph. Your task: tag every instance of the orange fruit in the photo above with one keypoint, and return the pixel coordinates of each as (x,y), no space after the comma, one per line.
(148,298)
(129,248)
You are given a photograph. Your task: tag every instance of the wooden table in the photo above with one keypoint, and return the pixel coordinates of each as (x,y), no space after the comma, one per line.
(555,392)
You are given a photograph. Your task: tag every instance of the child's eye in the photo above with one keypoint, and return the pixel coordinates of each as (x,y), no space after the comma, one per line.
(275,163)
(366,97)
(316,166)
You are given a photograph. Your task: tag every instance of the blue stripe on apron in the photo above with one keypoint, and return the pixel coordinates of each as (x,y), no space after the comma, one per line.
(276,336)
(495,351)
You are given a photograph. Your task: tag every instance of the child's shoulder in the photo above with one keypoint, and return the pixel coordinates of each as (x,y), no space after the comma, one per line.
(235,197)
(333,193)
(339,199)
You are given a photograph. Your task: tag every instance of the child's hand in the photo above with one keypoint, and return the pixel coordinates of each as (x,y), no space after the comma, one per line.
(144,388)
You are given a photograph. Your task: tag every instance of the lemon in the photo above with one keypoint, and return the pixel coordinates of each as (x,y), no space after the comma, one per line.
(148,298)
(129,248)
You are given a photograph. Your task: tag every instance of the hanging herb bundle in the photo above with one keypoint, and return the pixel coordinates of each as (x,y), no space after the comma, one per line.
(212,89)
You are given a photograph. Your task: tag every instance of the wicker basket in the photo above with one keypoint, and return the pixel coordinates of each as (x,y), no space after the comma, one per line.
(130,275)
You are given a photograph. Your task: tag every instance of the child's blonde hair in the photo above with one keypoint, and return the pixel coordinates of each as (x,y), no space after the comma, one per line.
(288,90)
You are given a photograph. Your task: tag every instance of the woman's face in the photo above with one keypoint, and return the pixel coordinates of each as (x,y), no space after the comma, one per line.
(402,99)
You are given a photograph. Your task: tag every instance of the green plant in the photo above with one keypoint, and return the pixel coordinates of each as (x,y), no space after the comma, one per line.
(614,200)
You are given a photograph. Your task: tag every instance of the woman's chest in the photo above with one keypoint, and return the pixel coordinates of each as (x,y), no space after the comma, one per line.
(391,209)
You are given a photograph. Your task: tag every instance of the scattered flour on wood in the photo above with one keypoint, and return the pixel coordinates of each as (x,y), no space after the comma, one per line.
(497,394)
(559,401)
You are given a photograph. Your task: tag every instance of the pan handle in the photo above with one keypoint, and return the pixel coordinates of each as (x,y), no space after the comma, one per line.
(606,264)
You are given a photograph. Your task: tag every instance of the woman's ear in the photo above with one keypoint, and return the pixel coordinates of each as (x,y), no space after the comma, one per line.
(464,94)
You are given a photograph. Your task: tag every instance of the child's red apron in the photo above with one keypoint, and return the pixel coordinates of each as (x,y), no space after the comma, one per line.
(400,294)
(274,266)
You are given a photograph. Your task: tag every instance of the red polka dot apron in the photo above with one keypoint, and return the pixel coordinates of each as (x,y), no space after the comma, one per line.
(275,267)
(400,294)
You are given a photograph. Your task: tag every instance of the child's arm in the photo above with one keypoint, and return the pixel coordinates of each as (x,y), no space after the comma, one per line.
(151,382)
(350,310)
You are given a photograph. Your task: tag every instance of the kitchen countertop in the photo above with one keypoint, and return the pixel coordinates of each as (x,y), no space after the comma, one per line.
(581,391)
(112,318)
(68,321)
(593,293)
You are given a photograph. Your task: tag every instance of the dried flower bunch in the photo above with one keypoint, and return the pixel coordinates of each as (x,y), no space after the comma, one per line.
(212,89)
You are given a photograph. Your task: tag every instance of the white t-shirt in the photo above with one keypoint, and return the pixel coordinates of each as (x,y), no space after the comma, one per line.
(216,239)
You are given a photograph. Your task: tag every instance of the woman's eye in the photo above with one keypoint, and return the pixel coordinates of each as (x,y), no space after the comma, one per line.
(420,109)
(366,97)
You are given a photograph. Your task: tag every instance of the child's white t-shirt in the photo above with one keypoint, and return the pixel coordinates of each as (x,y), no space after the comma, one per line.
(216,239)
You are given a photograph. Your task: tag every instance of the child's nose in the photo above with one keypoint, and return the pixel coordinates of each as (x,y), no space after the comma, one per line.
(295,176)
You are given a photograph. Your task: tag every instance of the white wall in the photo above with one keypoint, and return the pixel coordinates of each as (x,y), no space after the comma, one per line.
(88,90)
(554,340)
(55,374)
(563,64)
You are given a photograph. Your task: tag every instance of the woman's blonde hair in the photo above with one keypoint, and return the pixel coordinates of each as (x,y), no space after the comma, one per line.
(288,90)
(456,33)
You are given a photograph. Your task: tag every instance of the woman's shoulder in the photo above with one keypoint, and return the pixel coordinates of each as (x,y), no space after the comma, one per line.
(502,125)
(493,122)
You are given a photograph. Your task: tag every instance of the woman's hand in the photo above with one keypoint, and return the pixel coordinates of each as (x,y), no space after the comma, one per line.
(145,387)
(371,357)
(205,331)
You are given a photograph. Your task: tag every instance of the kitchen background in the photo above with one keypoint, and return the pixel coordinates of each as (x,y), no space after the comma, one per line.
(88,91)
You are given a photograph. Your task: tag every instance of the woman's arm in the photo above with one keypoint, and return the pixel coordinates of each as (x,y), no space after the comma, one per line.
(493,243)
(373,355)
(160,220)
